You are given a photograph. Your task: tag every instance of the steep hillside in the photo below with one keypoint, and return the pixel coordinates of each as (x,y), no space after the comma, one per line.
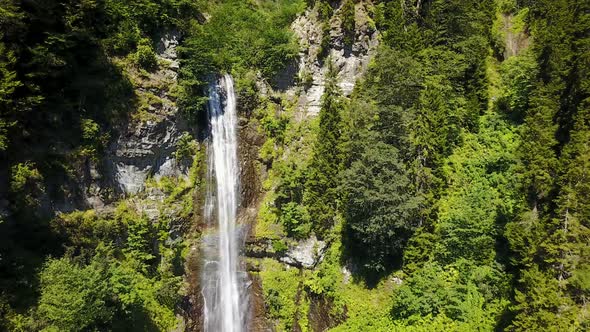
(403,165)
(99,169)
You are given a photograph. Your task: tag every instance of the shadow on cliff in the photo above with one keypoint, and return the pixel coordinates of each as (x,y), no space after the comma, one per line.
(288,77)
(81,107)
(363,269)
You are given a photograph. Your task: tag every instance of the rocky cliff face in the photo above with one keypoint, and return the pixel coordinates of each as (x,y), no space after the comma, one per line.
(350,59)
(147,142)
(144,145)
(322,41)
(147,145)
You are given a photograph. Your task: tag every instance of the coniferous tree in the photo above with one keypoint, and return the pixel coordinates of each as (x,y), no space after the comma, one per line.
(321,194)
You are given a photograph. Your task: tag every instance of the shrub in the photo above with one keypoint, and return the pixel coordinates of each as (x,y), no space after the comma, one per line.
(145,55)
(3,135)
(296,220)
(186,147)
(90,137)
(306,79)
(74,298)
(279,246)
(22,176)
(348,22)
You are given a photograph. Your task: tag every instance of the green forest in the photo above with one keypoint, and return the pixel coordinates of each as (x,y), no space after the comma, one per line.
(449,190)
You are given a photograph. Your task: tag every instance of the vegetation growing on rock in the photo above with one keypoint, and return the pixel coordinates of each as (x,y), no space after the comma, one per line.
(449,187)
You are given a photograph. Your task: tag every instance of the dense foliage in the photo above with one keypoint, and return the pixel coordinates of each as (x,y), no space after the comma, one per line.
(239,36)
(64,94)
(451,187)
(461,164)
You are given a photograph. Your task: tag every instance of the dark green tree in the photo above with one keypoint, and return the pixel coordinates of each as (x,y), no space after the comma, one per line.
(321,187)
(378,204)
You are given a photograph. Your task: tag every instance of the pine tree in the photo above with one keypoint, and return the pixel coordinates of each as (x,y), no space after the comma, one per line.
(321,194)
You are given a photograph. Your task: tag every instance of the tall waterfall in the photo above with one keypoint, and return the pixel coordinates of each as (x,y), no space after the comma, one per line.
(224,285)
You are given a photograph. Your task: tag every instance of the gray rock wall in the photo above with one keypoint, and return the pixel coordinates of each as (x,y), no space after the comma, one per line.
(147,143)
(351,61)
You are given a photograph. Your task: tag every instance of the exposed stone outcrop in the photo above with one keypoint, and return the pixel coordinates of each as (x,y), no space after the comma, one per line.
(250,141)
(166,48)
(147,148)
(146,144)
(515,40)
(320,314)
(306,254)
(258,321)
(322,41)
(350,61)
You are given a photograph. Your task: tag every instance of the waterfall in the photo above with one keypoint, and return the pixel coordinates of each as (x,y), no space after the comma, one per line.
(224,285)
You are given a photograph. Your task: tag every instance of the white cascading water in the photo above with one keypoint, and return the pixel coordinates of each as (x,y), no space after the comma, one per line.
(224,285)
